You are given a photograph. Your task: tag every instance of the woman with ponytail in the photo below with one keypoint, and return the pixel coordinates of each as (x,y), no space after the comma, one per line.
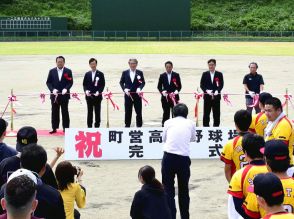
(150,201)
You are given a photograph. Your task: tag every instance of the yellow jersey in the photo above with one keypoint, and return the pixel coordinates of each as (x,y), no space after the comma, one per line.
(73,194)
(252,208)
(243,178)
(281,215)
(233,154)
(283,131)
(258,124)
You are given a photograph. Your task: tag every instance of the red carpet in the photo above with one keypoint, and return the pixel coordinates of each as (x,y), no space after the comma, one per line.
(44,133)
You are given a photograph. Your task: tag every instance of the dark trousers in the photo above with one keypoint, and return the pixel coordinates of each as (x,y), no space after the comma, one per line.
(137,103)
(171,166)
(249,101)
(94,104)
(213,104)
(55,111)
(167,106)
(77,214)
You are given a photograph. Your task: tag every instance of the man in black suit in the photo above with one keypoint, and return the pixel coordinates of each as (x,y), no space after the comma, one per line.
(169,83)
(132,82)
(59,82)
(93,84)
(212,84)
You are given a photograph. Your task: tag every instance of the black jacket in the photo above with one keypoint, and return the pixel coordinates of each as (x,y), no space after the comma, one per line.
(66,82)
(88,84)
(175,83)
(11,164)
(206,84)
(126,82)
(150,203)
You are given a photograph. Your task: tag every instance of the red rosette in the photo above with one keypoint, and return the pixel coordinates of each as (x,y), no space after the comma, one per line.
(174,80)
(67,77)
(217,81)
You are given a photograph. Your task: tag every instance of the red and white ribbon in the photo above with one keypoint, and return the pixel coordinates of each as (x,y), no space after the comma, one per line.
(198,96)
(141,94)
(109,95)
(172,96)
(288,97)
(42,97)
(226,99)
(76,96)
(12,98)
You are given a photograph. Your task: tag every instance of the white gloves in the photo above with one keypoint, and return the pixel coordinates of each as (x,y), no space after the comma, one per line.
(251,93)
(55,92)
(164,93)
(215,93)
(176,92)
(209,92)
(64,91)
(138,90)
(88,93)
(96,94)
(127,91)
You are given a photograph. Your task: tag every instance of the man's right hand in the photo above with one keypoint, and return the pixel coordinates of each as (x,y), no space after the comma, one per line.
(127,91)
(88,93)
(55,92)
(164,93)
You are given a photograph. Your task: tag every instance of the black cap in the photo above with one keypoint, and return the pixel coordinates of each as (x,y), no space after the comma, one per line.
(3,126)
(269,187)
(263,97)
(25,136)
(275,150)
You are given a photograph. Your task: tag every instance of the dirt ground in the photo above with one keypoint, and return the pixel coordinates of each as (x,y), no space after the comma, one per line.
(112,184)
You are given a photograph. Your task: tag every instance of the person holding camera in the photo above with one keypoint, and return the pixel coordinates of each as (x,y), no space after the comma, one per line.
(71,191)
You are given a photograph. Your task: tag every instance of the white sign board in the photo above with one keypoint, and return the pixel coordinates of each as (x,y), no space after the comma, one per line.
(138,143)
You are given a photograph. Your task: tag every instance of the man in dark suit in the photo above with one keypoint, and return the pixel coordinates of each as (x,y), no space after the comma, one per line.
(169,83)
(59,82)
(93,84)
(132,82)
(212,84)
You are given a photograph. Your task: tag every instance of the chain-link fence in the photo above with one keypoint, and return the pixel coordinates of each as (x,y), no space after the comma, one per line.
(145,35)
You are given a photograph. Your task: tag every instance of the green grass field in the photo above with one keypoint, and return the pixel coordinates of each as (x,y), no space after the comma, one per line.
(197,48)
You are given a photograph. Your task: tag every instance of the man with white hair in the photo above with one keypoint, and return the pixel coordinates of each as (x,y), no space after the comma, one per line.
(132,82)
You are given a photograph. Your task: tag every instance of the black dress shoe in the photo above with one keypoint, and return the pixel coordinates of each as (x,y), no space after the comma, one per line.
(53,131)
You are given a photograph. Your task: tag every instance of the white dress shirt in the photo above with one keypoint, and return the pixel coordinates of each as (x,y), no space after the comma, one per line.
(93,75)
(169,77)
(212,76)
(177,134)
(60,72)
(132,75)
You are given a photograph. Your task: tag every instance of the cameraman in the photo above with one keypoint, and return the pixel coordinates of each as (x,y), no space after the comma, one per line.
(70,190)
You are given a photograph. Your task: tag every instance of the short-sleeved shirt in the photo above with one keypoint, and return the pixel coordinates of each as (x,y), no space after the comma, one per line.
(253,82)
(258,124)
(233,154)
(243,178)
(282,215)
(252,208)
(6,151)
(283,131)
